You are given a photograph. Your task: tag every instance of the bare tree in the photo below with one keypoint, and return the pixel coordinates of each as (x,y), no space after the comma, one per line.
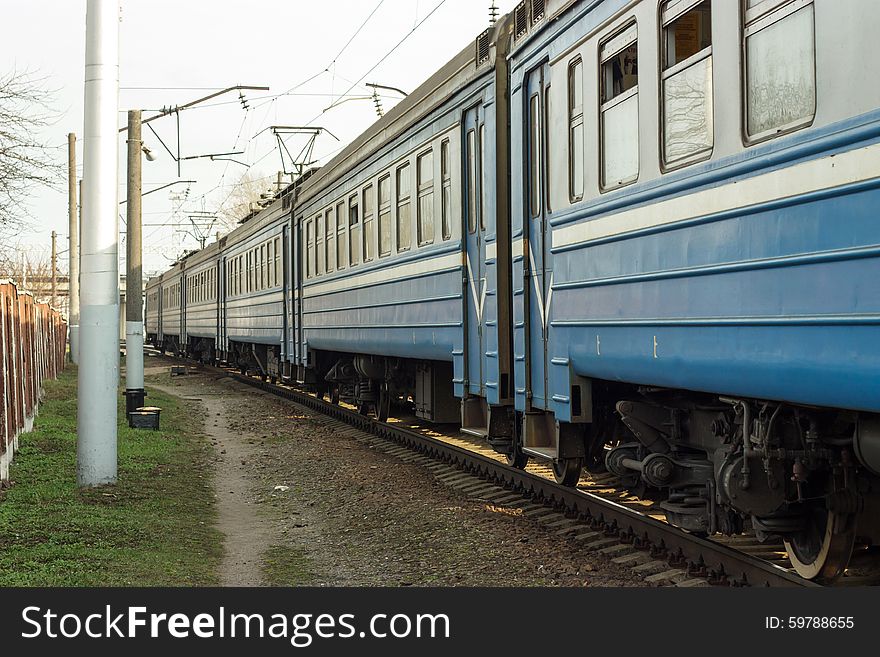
(26,161)
(242,197)
(32,272)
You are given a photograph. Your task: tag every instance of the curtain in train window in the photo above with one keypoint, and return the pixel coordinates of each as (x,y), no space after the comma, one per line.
(688,123)
(620,109)
(341,239)
(446,174)
(369,212)
(426,198)
(404,208)
(780,66)
(385,216)
(354,230)
(576,130)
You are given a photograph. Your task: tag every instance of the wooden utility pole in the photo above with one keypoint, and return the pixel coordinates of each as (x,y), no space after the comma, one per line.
(54,268)
(134,319)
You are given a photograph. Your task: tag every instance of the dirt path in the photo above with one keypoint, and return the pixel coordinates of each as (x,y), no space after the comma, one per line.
(301,502)
(247,535)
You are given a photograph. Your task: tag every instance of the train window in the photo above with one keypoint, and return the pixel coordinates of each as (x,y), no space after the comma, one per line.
(688,130)
(404,208)
(354,231)
(369,211)
(780,67)
(535,153)
(576,130)
(319,245)
(270,263)
(240,274)
(341,240)
(330,244)
(426,198)
(482,176)
(385,216)
(264,267)
(310,250)
(472,180)
(446,174)
(278,274)
(619,112)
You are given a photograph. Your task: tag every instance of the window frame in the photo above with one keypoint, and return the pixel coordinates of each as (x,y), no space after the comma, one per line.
(369,214)
(446,185)
(386,206)
(330,241)
(669,12)
(576,120)
(425,189)
(760,17)
(619,32)
(355,237)
(403,172)
(341,235)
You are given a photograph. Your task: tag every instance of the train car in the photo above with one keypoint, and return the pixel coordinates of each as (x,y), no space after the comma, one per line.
(254,307)
(401,288)
(172,311)
(202,326)
(152,311)
(695,245)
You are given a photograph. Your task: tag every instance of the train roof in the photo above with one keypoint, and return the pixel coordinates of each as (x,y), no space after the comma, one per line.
(457,73)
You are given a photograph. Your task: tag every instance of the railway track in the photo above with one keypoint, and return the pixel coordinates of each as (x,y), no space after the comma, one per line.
(596,513)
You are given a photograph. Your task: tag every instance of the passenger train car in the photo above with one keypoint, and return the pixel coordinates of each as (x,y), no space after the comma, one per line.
(633,235)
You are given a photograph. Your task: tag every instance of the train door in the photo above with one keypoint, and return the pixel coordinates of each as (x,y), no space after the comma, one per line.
(222,290)
(538,265)
(474,230)
(298,272)
(286,301)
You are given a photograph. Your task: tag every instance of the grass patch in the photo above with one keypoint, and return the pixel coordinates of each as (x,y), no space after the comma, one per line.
(286,565)
(154,528)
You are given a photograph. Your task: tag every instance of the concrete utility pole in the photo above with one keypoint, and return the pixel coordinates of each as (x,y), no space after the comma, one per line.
(73,251)
(134,319)
(54,268)
(99,292)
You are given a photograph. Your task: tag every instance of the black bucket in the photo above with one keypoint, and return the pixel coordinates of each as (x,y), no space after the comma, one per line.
(145,418)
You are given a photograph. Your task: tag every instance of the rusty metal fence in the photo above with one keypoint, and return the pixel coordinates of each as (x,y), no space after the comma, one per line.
(33,345)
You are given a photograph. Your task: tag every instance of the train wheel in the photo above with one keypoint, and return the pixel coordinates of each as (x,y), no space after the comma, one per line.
(822,550)
(334,395)
(383,408)
(516,458)
(568,471)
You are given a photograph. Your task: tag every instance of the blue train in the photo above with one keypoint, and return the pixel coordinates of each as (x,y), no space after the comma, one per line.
(632,235)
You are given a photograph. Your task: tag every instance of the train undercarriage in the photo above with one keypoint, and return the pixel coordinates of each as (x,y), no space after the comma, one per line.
(713,465)
(718,465)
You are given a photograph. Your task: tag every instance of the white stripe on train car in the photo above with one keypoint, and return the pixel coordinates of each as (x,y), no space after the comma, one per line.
(825,173)
(386,274)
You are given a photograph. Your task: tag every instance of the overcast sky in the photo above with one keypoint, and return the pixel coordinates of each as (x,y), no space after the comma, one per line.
(175,51)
